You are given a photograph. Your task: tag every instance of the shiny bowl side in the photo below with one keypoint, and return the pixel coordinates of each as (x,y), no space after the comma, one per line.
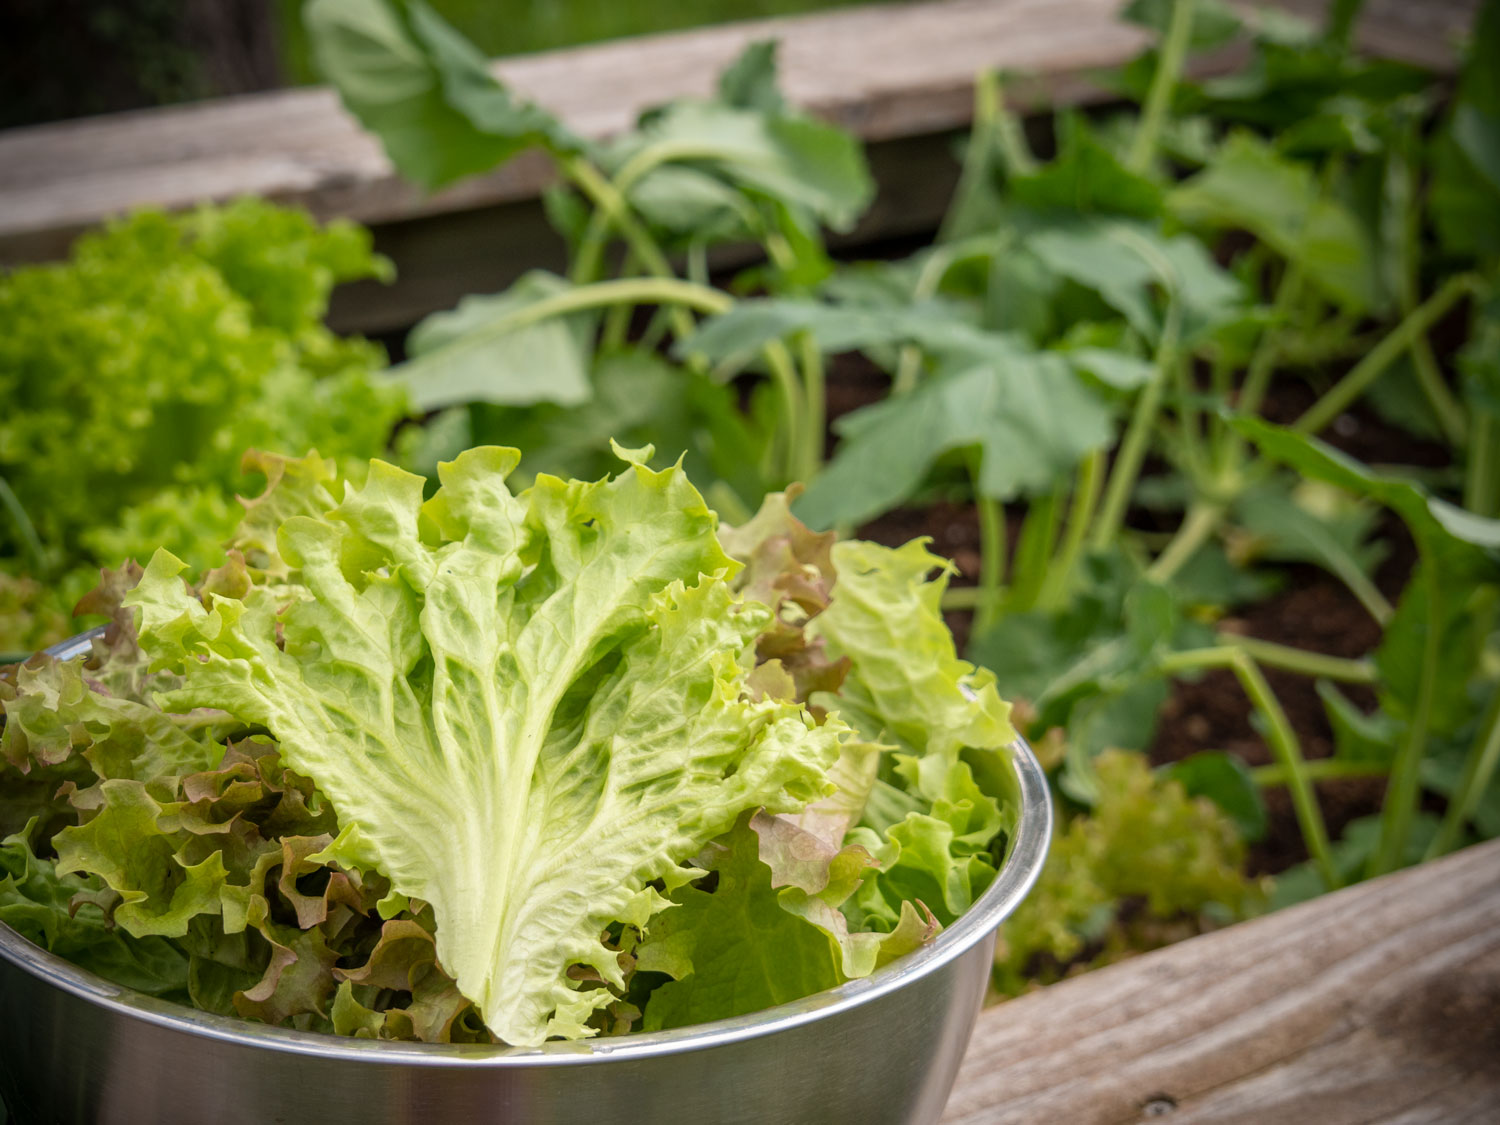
(75,1048)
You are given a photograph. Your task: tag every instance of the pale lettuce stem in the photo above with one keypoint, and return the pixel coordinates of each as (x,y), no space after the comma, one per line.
(1401,794)
(1479,770)
(1163,84)
(1132,452)
(1281,738)
(1416,323)
(1086,487)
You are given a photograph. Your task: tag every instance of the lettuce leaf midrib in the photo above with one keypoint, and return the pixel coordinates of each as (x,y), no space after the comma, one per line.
(468,735)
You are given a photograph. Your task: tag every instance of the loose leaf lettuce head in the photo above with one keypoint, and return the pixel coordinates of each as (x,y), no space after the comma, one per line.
(527,709)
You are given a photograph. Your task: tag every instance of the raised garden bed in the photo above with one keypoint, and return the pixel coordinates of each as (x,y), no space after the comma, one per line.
(1173,594)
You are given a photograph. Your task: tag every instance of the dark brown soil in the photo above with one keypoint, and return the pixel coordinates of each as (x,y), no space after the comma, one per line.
(1312,611)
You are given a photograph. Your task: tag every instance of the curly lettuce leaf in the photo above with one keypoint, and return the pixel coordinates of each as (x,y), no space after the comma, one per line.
(769,931)
(941,800)
(522,712)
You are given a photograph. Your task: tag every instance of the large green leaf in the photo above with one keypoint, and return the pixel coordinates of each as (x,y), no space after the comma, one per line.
(788,157)
(469,354)
(424,90)
(733,950)
(1030,414)
(1249,186)
(522,713)
(1466,164)
(1123,261)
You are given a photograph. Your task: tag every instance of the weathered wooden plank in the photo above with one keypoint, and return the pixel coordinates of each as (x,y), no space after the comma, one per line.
(885,72)
(1380,1003)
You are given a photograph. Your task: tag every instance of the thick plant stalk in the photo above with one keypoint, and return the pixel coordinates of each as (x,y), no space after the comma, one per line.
(1417,323)
(1401,794)
(1201,521)
(1080,512)
(1281,738)
(1319,769)
(1479,770)
(1163,84)
(1482,477)
(1292,659)
(814,420)
(1132,453)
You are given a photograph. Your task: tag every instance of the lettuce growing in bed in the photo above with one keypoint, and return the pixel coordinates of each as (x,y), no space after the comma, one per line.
(555,763)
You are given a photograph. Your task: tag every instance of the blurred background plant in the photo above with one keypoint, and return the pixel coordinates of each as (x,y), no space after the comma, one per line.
(1122,368)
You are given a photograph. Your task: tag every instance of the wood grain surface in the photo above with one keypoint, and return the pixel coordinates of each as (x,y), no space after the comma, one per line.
(1378,1004)
(886,72)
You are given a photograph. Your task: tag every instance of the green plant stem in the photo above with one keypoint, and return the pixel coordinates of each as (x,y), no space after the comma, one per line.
(1086,489)
(1034,551)
(991,561)
(976,164)
(1163,84)
(1268,349)
(1416,323)
(610,203)
(1482,475)
(966,597)
(1341,20)
(1450,414)
(1319,769)
(617,320)
(1291,659)
(1401,794)
(1127,466)
(929,279)
(1281,738)
(1201,521)
(814,420)
(1479,770)
(31,542)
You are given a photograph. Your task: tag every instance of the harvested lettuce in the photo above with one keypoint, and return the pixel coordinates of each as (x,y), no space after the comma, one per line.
(553,763)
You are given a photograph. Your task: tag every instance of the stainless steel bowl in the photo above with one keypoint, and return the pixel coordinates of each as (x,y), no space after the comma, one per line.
(75,1048)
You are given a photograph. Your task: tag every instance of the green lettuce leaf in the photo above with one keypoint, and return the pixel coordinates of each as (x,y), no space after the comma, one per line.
(521,711)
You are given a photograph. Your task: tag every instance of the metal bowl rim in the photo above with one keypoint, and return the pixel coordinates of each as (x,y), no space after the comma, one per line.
(1021,870)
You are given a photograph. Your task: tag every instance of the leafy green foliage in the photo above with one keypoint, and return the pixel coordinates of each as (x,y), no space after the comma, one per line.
(1145,840)
(423,89)
(136,374)
(209,810)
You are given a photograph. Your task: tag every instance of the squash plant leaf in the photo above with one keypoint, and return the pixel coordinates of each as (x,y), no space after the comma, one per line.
(424,90)
(477,352)
(1123,261)
(1250,186)
(1032,417)
(785,156)
(1465,194)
